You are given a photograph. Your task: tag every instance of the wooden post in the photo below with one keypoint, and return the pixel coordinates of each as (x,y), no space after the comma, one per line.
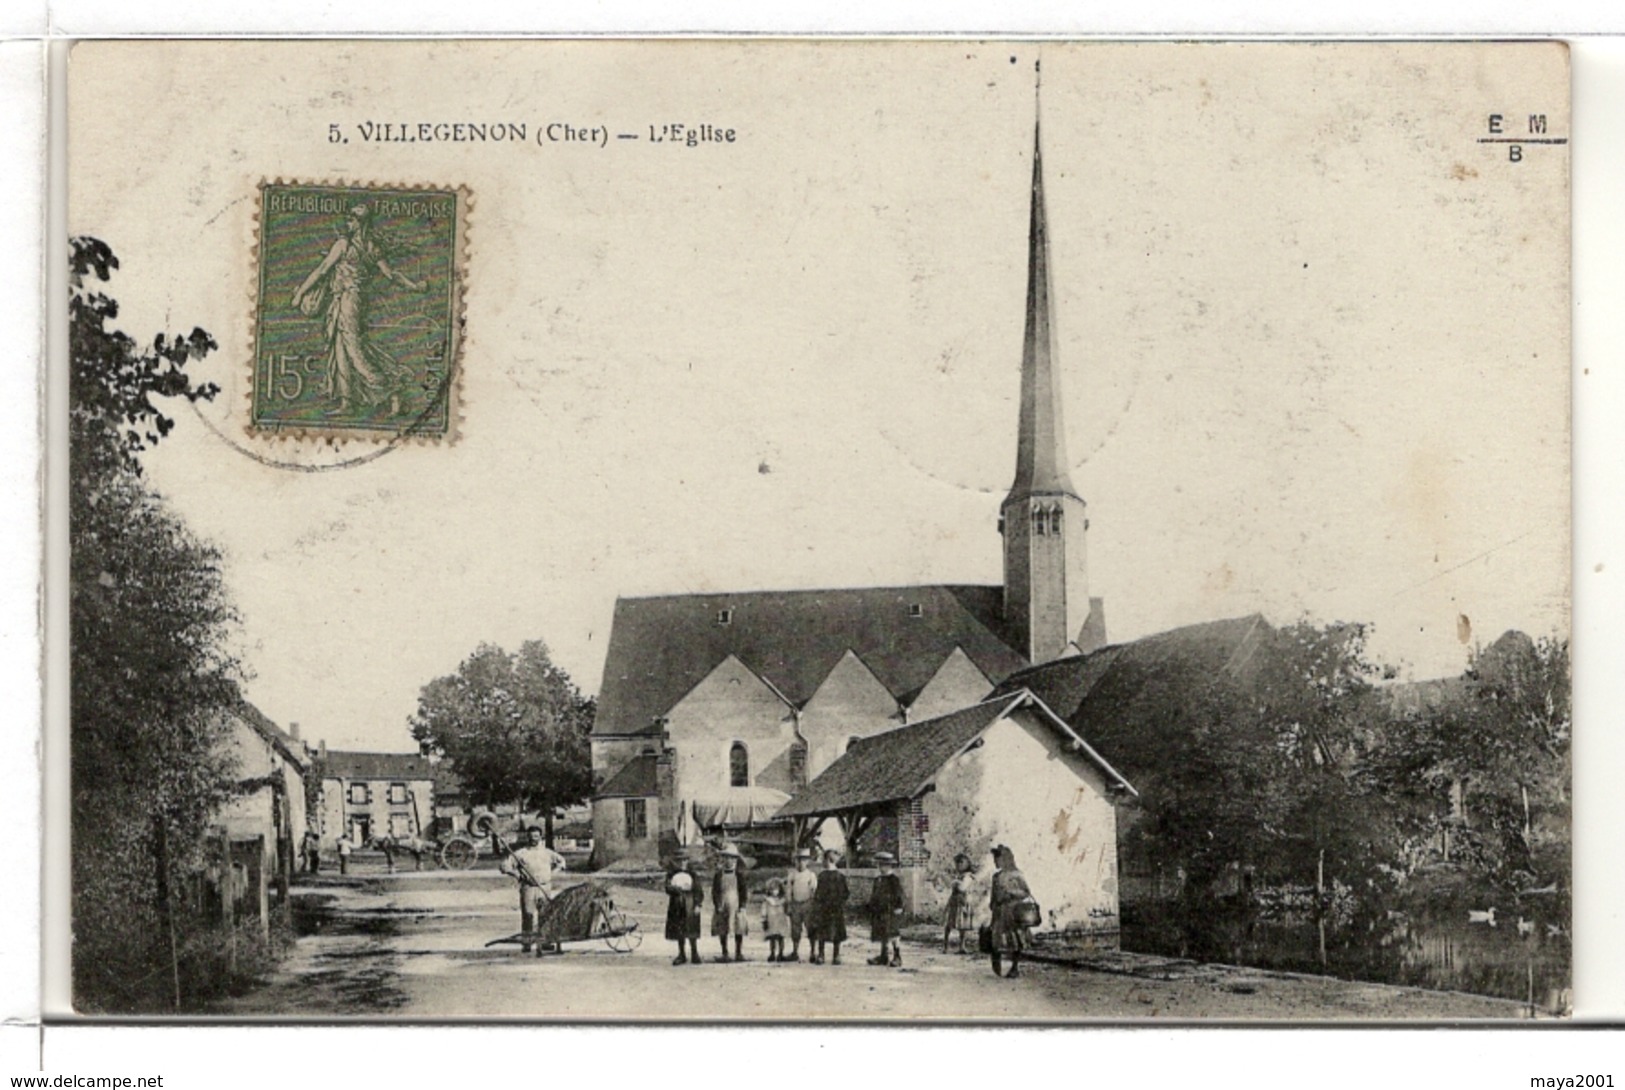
(166,909)
(1320,903)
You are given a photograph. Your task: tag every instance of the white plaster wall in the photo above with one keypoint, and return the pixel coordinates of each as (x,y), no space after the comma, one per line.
(731,704)
(1021,788)
(956,684)
(851,703)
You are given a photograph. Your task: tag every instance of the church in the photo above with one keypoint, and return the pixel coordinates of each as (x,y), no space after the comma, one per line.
(715,709)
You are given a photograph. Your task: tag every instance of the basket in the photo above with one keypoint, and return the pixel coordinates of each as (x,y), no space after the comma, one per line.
(1028,914)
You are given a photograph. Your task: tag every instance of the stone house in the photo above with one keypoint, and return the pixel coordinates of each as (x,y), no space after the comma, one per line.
(1006,771)
(370,795)
(1122,698)
(255,837)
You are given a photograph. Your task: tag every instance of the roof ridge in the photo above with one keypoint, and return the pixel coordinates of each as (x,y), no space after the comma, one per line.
(674,595)
(947,715)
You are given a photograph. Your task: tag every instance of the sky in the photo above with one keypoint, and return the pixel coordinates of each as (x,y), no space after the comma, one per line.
(1312,336)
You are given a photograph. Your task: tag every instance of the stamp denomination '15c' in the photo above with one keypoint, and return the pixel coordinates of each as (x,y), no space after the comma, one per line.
(358,310)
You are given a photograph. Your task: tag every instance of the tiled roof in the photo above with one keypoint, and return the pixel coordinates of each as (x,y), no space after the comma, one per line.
(1115,676)
(898,764)
(636,779)
(291,748)
(895,764)
(350,765)
(660,648)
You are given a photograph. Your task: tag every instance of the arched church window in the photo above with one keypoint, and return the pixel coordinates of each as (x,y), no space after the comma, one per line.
(1040,521)
(738,766)
(1055,520)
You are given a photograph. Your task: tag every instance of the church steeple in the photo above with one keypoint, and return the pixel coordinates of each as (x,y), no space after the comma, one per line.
(1046,582)
(1041,462)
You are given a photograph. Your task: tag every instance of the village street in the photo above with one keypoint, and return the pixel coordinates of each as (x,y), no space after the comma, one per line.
(412,945)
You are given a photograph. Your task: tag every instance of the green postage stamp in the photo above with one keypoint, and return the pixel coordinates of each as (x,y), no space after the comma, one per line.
(358,311)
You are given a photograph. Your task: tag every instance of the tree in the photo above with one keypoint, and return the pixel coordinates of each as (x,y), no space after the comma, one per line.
(1247,766)
(515,728)
(151,676)
(1489,760)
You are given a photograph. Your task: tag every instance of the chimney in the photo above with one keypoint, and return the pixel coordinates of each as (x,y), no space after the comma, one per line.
(321,748)
(293,730)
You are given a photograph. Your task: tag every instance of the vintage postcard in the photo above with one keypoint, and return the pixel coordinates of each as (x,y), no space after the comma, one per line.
(955,530)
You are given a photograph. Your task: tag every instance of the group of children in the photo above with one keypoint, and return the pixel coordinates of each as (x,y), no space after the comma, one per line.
(803,902)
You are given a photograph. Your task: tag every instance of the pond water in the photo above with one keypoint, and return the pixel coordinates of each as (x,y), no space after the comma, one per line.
(1439,949)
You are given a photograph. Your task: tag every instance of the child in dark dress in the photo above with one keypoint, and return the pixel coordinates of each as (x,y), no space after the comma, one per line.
(684,895)
(827,920)
(886,912)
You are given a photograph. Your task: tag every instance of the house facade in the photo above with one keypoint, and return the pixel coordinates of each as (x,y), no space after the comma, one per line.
(254,838)
(716,708)
(370,795)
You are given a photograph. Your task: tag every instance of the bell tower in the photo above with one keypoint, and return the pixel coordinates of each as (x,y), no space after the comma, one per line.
(1043,519)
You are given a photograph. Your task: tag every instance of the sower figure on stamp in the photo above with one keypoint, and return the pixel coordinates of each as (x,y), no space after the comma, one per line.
(799,886)
(533,866)
(728,895)
(359,373)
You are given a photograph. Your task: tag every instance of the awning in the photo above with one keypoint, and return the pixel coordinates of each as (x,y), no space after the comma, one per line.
(737,807)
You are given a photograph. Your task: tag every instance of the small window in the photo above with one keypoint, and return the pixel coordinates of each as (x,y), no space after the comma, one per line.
(637,819)
(725,616)
(1001,525)
(1040,521)
(851,741)
(798,765)
(397,793)
(1054,520)
(738,765)
(916,610)
(360,794)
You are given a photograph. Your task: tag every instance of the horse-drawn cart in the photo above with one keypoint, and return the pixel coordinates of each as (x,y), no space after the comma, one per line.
(581,913)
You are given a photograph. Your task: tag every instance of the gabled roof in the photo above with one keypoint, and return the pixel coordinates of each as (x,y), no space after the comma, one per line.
(293,751)
(635,780)
(660,648)
(351,765)
(1115,675)
(898,764)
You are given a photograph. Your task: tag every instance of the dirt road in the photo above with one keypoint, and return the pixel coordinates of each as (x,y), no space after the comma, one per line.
(413,946)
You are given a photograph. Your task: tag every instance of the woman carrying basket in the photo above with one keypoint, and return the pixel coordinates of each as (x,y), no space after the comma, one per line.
(1013,909)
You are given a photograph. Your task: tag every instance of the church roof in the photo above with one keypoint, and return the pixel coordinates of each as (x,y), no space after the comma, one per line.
(635,780)
(898,764)
(1113,676)
(660,648)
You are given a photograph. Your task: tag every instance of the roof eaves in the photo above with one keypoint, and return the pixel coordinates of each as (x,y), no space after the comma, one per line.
(1078,741)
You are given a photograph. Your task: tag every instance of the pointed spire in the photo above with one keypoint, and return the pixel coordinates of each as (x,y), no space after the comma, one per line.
(1041,461)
